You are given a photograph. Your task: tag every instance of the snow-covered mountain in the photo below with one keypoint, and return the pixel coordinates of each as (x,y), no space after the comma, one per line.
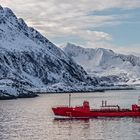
(28,59)
(107,65)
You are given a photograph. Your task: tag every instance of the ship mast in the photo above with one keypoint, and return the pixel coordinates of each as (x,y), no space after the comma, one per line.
(139,101)
(69,99)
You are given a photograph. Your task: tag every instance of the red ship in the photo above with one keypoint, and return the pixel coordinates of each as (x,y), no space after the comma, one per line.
(104,111)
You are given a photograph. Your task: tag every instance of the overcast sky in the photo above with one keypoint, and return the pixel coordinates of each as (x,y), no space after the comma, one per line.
(111,24)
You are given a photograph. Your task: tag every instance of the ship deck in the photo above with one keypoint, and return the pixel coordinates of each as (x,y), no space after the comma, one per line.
(110,110)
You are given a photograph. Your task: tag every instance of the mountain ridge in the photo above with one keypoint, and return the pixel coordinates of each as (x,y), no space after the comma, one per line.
(29,60)
(104,63)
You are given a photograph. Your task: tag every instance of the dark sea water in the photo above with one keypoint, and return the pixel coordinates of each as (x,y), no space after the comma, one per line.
(33,119)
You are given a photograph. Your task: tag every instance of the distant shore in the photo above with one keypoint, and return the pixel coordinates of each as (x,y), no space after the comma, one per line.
(36,94)
(103,89)
(11,97)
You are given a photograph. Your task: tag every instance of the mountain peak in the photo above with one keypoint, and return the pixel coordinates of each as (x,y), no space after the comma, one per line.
(6,12)
(71,45)
(106,63)
(27,57)
(1,10)
(104,51)
(13,29)
(1,7)
(22,23)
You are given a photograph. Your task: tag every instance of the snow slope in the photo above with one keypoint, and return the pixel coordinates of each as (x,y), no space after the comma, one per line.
(28,59)
(107,65)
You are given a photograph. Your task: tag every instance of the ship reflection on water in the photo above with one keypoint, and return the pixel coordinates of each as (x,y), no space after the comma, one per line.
(99,128)
(70,119)
(67,119)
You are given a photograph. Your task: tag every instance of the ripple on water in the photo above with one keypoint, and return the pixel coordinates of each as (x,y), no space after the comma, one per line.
(32,119)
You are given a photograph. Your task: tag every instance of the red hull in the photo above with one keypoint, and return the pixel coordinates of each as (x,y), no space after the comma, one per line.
(72,112)
(85,111)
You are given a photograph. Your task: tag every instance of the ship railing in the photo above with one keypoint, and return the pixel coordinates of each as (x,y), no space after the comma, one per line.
(111,110)
(125,110)
(105,110)
(56,106)
(116,107)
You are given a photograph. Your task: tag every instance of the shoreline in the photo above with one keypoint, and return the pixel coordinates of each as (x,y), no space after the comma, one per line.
(12,97)
(36,94)
(95,90)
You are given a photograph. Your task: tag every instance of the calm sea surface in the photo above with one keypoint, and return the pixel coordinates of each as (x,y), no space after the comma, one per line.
(33,119)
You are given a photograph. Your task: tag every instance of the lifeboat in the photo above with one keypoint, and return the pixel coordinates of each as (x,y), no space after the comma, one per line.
(104,111)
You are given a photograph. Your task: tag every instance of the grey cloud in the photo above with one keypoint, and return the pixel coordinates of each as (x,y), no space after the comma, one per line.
(63,18)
